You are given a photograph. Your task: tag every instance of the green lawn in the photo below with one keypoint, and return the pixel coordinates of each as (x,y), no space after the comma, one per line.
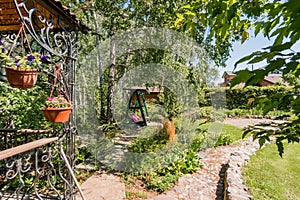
(271,177)
(228,133)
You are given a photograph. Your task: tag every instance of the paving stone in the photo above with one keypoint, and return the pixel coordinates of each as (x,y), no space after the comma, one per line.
(104,186)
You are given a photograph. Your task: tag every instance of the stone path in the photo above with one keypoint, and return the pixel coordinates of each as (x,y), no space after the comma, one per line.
(244,122)
(208,183)
(103,187)
(220,176)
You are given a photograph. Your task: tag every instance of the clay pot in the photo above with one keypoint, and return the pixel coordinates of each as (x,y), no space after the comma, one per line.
(21,78)
(57,114)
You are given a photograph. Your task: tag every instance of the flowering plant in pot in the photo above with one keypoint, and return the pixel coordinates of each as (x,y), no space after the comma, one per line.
(58,109)
(22,69)
(28,61)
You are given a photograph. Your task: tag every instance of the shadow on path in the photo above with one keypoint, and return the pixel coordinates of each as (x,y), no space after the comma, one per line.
(220,184)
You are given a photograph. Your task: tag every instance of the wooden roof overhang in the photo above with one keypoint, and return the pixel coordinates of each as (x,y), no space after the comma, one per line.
(53,10)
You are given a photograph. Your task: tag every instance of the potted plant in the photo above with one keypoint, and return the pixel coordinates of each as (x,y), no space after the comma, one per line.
(58,109)
(21,71)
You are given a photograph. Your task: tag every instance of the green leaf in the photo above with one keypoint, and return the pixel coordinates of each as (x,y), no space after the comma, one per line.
(280,147)
(280,47)
(241,76)
(258,27)
(261,141)
(246,133)
(188,6)
(259,58)
(245,36)
(259,75)
(189,13)
(246,58)
(275,64)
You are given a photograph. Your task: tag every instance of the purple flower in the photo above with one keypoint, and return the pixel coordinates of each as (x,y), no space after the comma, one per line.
(50,99)
(1,43)
(30,58)
(44,58)
(18,64)
(3,50)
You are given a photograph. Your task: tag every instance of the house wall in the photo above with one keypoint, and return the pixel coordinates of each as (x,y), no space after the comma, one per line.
(227,79)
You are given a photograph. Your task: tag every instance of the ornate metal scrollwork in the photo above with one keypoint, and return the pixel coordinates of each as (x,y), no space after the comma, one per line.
(39,173)
(30,173)
(51,33)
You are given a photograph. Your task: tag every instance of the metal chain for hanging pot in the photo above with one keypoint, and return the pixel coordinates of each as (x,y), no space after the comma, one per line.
(57,76)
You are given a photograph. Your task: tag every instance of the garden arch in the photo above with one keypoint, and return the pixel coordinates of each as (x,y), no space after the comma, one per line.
(38,163)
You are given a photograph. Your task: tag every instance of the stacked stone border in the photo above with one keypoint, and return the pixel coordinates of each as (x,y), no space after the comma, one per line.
(234,189)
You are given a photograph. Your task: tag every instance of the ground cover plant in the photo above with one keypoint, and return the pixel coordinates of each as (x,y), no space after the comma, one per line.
(161,179)
(271,177)
(184,161)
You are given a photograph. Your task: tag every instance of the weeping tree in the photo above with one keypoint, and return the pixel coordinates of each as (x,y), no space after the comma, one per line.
(107,18)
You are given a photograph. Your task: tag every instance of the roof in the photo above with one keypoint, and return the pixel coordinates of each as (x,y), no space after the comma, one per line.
(229,73)
(144,88)
(53,9)
(274,79)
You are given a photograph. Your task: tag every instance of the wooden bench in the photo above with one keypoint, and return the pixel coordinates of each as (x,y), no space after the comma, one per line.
(25,147)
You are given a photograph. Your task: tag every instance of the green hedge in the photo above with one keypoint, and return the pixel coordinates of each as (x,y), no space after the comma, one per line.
(243,98)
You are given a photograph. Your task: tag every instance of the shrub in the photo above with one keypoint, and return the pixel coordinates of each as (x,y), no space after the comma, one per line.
(181,159)
(23,107)
(244,98)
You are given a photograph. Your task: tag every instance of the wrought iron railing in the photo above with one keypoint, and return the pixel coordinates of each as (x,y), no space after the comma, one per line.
(38,164)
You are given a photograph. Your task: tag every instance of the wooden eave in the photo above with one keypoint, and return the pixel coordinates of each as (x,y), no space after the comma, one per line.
(53,9)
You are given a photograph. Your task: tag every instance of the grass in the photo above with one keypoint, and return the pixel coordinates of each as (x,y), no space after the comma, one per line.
(229,133)
(271,177)
(135,195)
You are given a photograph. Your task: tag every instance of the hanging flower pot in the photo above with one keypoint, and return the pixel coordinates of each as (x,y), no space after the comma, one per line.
(58,109)
(21,78)
(57,114)
(21,70)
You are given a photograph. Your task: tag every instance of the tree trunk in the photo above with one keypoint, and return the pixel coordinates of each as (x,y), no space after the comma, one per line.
(111,82)
(100,70)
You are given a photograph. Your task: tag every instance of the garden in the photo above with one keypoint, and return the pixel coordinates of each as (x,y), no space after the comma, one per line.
(137,83)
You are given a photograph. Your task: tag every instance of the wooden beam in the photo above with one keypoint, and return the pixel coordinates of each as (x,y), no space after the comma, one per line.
(25,131)
(10,28)
(25,147)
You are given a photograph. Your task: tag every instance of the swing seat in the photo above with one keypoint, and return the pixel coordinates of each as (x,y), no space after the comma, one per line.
(136,119)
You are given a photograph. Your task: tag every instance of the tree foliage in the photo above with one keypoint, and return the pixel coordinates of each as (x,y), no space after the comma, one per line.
(221,22)
(281,23)
(113,17)
(217,24)
(226,21)
(21,109)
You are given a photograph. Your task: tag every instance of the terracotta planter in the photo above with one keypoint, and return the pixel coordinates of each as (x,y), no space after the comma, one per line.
(21,78)
(57,114)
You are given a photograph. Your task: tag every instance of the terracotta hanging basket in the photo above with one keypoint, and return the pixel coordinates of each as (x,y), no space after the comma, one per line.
(57,114)
(21,78)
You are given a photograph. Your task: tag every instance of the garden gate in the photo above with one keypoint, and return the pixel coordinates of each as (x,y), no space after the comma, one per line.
(39,163)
